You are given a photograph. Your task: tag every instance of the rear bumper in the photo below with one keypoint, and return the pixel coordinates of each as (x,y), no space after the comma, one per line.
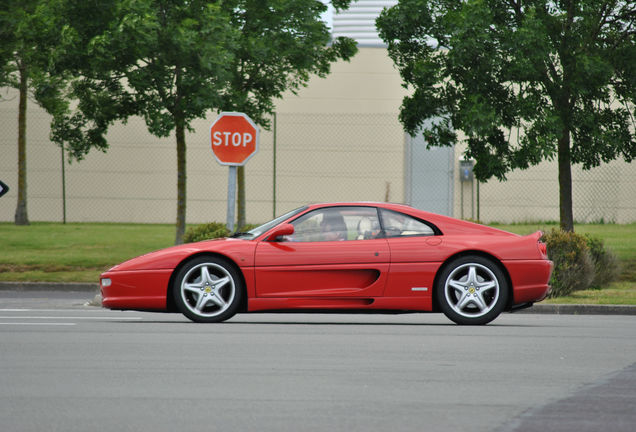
(530,279)
(139,289)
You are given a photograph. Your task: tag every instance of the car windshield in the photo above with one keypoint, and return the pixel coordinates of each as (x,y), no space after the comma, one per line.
(255,232)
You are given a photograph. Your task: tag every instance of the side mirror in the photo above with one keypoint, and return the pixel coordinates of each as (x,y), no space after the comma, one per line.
(281,230)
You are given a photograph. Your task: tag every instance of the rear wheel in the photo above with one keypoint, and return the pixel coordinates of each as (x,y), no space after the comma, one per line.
(208,289)
(472,290)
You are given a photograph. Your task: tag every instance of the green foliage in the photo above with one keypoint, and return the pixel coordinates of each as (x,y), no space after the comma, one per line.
(207,231)
(488,67)
(164,61)
(580,262)
(524,81)
(29,44)
(171,62)
(248,227)
(573,266)
(282,44)
(606,265)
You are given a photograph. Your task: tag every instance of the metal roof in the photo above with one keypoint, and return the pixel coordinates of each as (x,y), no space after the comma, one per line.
(358,22)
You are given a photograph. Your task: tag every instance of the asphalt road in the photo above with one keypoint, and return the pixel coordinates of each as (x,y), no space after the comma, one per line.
(65,366)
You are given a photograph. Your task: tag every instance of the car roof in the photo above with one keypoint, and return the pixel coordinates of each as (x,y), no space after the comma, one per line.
(363,204)
(447,224)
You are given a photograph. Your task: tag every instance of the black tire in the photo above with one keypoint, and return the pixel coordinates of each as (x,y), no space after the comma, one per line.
(472,290)
(208,289)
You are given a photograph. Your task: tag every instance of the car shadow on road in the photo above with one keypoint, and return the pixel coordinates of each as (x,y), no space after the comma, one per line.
(300,322)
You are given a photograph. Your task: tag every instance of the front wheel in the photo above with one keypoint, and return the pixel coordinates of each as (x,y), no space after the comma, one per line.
(472,290)
(208,289)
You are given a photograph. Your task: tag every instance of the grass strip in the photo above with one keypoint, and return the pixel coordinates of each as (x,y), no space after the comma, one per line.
(79,252)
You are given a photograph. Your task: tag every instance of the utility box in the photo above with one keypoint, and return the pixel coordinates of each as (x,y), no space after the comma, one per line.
(466,170)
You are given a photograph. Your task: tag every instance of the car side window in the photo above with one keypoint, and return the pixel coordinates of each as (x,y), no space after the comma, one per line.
(336,224)
(400,225)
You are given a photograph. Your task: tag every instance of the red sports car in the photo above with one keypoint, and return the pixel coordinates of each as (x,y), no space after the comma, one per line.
(341,256)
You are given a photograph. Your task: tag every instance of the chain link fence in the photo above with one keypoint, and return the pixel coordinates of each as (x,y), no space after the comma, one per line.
(305,157)
(605,194)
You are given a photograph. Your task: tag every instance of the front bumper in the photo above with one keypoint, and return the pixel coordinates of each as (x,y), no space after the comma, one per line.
(136,289)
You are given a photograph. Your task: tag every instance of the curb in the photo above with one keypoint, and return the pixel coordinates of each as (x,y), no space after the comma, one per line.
(580,309)
(49,286)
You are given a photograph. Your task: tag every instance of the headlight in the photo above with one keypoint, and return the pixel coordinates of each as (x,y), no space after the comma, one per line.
(106,282)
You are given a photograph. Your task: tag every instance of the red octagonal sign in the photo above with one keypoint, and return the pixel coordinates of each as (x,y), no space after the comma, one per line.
(234,138)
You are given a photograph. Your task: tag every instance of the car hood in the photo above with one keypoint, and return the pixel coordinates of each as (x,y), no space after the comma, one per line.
(239,250)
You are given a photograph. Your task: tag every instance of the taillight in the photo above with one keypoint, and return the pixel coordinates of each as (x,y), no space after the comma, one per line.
(543,249)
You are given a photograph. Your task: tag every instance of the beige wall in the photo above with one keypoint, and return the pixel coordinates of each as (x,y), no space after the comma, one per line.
(337,140)
(369,83)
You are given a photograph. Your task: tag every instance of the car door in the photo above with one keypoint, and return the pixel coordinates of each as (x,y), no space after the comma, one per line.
(333,252)
(417,251)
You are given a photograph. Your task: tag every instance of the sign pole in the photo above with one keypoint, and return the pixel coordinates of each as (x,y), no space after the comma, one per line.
(231,198)
(63,188)
(274,169)
(234,140)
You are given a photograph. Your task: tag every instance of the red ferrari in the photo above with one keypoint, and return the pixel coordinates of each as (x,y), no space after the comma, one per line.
(341,257)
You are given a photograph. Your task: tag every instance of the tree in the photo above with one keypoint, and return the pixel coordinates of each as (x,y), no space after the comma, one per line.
(524,80)
(282,44)
(176,60)
(164,60)
(27,43)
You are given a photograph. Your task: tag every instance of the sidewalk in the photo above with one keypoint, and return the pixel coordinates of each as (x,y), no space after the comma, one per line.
(49,286)
(539,308)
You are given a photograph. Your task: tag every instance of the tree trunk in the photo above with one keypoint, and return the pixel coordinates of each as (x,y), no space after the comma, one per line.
(21,217)
(565,183)
(240,207)
(181,181)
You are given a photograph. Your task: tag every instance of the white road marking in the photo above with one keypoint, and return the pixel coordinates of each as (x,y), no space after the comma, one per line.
(37,324)
(58,310)
(74,318)
(15,310)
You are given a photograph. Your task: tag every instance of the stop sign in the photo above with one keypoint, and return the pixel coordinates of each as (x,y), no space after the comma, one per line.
(234,138)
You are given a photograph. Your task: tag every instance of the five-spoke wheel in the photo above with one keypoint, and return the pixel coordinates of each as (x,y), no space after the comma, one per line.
(208,289)
(472,290)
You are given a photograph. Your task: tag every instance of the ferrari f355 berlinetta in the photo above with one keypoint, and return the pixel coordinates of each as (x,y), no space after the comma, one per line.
(374,257)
